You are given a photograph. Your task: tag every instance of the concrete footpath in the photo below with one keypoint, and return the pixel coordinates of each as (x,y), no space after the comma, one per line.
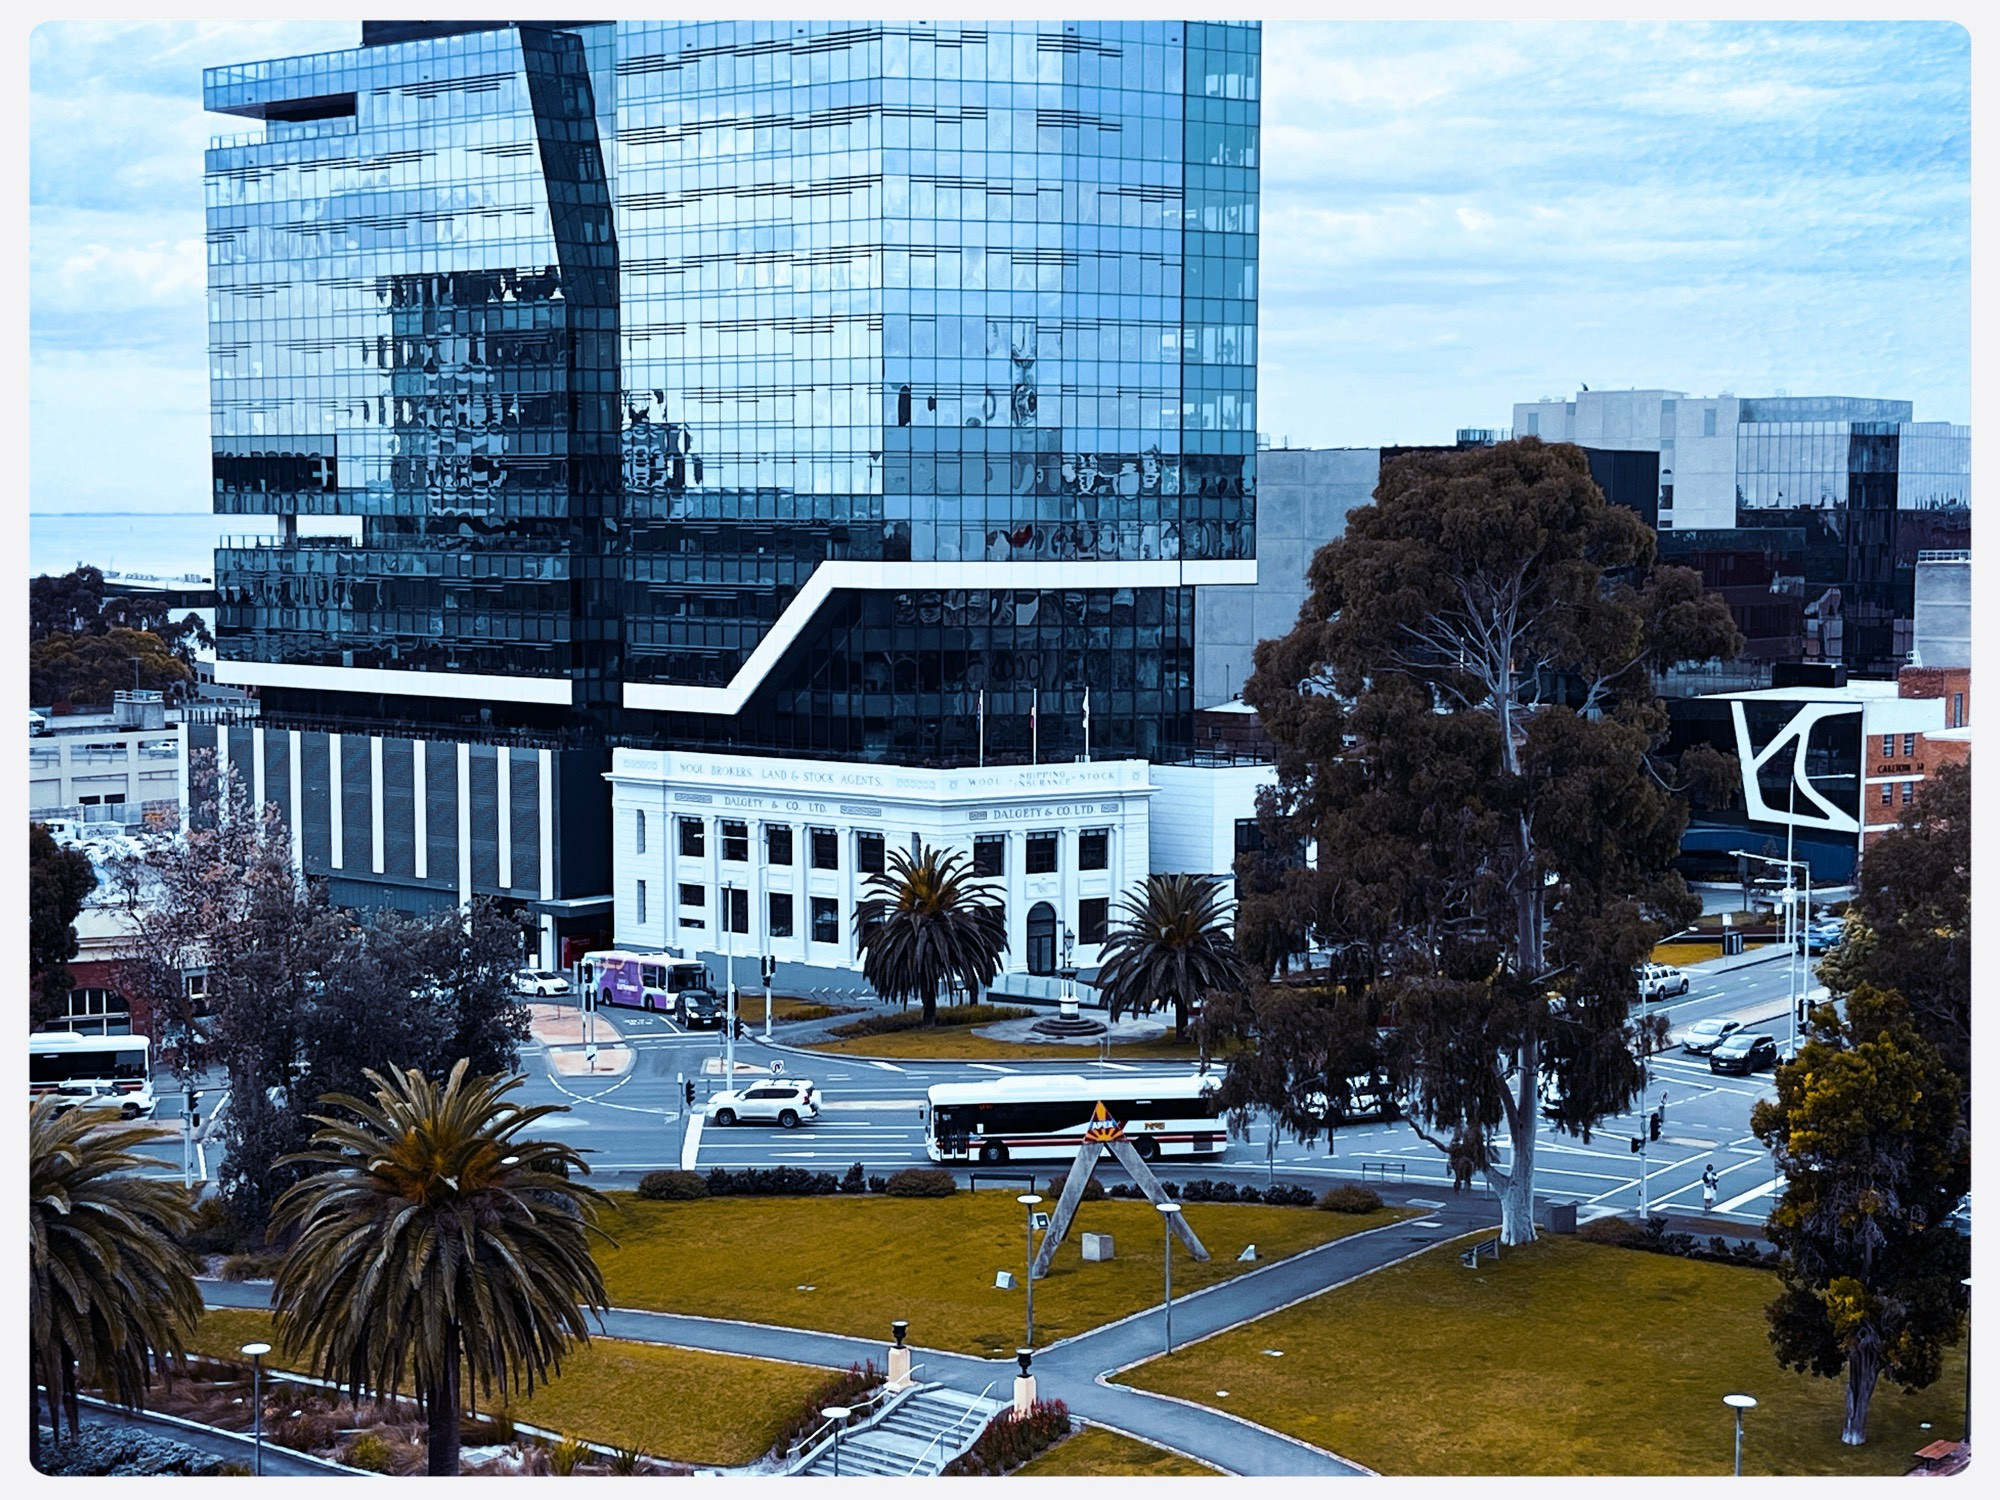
(1082,1370)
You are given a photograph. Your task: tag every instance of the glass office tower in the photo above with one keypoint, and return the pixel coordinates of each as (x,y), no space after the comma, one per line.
(804,388)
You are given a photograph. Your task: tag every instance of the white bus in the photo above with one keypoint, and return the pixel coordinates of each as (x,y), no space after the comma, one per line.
(99,1070)
(1024,1117)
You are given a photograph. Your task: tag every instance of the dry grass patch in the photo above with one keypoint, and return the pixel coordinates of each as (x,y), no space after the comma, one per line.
(854,1265)
(1564,1358)
(1097,1452)
(682,1404)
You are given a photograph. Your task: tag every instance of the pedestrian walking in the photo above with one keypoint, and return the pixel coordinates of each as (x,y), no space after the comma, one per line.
(1708,1185)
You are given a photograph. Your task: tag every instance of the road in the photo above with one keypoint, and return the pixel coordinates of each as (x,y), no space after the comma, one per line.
(634,1123)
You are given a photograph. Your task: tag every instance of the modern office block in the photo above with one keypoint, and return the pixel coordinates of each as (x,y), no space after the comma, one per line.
(841,391)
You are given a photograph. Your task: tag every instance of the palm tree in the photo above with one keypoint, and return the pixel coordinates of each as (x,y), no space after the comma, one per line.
(1172,943)
(111,1295)
(926,923)
(437,1244)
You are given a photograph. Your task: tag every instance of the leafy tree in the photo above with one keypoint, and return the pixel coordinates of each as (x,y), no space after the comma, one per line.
(59,881)
(437,1244)
(111,1296)
(924,925)
(1912,911)
(1865,1129)
(470,961)
(1171,943)
(1467,731)
(91,668)
(66,604)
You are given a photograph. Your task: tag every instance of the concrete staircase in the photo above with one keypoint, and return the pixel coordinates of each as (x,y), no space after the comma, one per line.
(918,1433)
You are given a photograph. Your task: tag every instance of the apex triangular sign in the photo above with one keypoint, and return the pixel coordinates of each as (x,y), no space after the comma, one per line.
(1102,1127)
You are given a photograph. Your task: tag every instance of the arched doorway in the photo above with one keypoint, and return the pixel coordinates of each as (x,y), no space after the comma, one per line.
(1041,938)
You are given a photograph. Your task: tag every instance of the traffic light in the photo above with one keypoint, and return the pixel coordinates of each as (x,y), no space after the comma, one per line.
(1653,1126)
(193,1102)
(1637,1143)
(769,964)
(687,1092)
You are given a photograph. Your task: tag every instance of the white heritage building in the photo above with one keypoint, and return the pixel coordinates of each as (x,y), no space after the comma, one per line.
(785,847)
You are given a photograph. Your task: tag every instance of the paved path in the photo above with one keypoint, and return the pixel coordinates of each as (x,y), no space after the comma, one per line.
(1079,1370)
(241,1450)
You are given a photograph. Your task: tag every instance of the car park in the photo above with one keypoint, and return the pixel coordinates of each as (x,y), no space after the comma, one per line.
(1700,1039)
(1744,1052)
(1659,981)
(539,982)
(788,1102)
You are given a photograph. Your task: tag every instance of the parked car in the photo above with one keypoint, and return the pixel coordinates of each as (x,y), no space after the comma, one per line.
(789,1102)
(1700,1038)
(539,982)
(1658,981)
(1369,1097)
(1825,933)
(1743,1052)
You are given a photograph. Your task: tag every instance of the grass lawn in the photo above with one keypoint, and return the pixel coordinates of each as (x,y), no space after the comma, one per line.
(724,1410)
(1096,1452)
(786,1008)
(953,1043)
(853,1265)
(1565,1358)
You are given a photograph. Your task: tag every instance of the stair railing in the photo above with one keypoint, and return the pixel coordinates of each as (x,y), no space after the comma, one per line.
(952,1431)
(809,1448)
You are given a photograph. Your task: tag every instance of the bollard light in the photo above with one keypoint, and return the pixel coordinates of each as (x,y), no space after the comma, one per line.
(837,1415)
(1167,1212)
(257,1352)
(1024,1357)
(1029,1200)
(1739,1404)
(900,1329)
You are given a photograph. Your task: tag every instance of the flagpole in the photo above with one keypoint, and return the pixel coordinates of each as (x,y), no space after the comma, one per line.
(982,727)
(1086,723)
(1035,728)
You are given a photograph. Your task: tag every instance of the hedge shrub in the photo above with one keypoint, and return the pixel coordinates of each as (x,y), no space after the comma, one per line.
(1350,1200)
(771,1182)
(844,1389)
(250,1267)
(1010,1441)
(878,1023)
(921,1182)
(672,1187)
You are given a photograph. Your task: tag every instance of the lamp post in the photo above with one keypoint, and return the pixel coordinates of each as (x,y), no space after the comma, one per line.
(1029,1200)
(1167,1212)
(1793,963)
(837,1415)
(1740,1404)
(257,1352)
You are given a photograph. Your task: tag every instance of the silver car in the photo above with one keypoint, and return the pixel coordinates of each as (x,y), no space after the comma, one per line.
(1700,1038)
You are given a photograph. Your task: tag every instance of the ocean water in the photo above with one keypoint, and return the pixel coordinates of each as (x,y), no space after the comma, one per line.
(140,544)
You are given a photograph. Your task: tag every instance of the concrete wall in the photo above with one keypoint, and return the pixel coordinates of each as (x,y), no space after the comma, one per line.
(1195,813)
(1303,497)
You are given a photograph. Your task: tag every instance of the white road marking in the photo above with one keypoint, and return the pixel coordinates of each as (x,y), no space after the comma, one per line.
(1119,1067)
(887,1067)
(826,1104)
(1742,1198)
(992,1068)
(691,1147)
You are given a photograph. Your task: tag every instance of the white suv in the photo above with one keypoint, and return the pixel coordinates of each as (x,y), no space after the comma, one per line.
(1657,981)
(789,1102)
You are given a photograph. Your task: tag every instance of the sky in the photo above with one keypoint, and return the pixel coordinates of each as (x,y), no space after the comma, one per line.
(1458,215)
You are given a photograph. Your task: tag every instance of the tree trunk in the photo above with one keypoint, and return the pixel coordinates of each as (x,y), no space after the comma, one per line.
(1517,1191)
(443,1415)
(1863,1366)
(34,1415)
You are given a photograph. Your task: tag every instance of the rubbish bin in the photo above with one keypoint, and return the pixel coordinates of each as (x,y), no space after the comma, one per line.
(1732,942)
(1562,1218)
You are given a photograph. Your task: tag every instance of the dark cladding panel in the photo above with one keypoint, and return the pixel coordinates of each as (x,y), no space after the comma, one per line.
(441,811)
(315,830)
(399,818)
(357,830)
(524,781)
(278,776)
(485,798)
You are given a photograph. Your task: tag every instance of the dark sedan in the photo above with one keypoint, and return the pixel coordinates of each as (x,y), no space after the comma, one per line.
(1743,1053)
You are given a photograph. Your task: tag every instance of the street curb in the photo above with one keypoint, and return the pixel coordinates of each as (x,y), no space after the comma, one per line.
(249,1443)
(1361,1469)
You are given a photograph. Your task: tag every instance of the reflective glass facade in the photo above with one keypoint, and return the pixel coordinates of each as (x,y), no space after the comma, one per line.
(613,336)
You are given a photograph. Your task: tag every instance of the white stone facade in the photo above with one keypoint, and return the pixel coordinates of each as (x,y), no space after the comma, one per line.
(689,824)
